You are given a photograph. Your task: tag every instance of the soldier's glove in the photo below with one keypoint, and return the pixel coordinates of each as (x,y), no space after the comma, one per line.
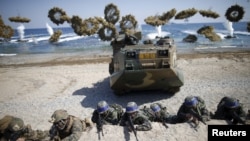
(99,128)
(205,119)
(188,116)
(136,128)
(129,128)
(195,121)
(56,138)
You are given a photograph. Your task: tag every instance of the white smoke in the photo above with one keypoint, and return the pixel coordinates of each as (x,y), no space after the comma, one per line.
(138,27)
(158,29)
(49,29)
(20,30)
(34,40)
(229,26)
(157,34)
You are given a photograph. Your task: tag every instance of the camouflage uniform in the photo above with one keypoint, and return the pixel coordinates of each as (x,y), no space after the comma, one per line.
(158,113)
(230,109)
(248,118)
(67,127)
(107,114)
(13,128)
(137,118)
(191,108)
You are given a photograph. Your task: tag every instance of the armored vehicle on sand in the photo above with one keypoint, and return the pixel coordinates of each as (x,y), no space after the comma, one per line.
(144,66)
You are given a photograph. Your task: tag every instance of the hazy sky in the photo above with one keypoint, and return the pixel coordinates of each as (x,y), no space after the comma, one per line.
(37,10)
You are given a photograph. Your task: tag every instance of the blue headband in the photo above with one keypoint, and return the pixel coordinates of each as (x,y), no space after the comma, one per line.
(156,108)
(232,104)
(192,102)
(102,109)
(131,109)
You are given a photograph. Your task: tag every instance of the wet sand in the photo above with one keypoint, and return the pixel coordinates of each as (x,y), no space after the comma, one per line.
(33,89)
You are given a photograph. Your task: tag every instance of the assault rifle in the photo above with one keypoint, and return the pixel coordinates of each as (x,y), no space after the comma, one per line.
(193,113)
(99,126)
(132,126)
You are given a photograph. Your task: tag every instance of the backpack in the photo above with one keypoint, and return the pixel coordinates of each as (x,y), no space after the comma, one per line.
(4,123)
(119,110)
(87,124)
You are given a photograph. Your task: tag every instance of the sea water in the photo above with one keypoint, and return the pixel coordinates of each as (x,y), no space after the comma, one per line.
(37,40)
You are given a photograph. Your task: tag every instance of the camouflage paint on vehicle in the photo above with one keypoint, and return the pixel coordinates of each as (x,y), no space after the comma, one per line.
(144,66)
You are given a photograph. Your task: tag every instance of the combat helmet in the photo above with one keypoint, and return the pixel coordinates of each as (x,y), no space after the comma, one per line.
(16,124)
(231,102)
(190,101)
(59,115)
(131,107)
(102,107)
(155,107)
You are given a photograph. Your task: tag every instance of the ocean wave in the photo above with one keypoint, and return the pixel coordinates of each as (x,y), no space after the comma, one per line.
(221,33)
(222,36)
(234,32)
(189,32)
(6,54)
(70,38)
(213,47)
(242,33)
(43,37)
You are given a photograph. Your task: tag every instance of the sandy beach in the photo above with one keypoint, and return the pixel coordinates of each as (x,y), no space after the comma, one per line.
(33,90)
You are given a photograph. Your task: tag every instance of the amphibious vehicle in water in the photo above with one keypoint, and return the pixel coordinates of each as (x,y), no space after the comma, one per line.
(150,65)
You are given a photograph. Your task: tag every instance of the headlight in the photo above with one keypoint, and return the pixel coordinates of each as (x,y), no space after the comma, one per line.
(163,53)
(131,54)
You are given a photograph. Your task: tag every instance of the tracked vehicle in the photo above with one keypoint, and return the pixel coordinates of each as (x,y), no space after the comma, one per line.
(144,66)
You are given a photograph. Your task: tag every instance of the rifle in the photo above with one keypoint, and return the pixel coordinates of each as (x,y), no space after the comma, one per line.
(132,126)
(99,126)
(14,136)
(236,116)
(54,134)
(197,116)
(164,123)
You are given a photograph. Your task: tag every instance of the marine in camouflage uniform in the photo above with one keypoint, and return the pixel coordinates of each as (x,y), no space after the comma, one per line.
(231,109)
(138,119)
(193,109)
(67,127)
(158,113)
(105,114)
(13,128)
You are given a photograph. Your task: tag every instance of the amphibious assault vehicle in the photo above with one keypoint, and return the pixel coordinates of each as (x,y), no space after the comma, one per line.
(144,66)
